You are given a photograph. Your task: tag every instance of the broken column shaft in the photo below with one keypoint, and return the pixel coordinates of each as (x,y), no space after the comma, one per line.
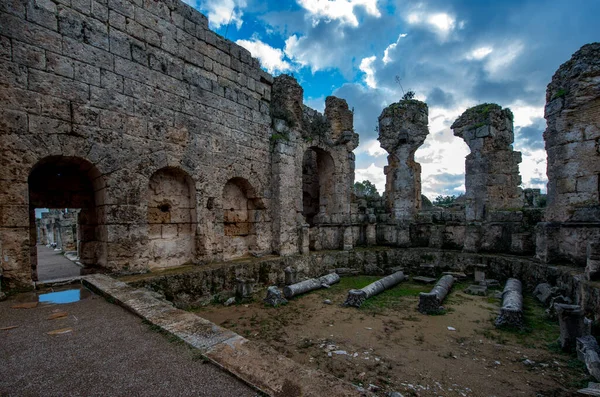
(511,312)
(431,302)
(356,297)
(308,285)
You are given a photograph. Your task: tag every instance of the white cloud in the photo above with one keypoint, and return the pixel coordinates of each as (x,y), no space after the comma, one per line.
(386,54)
(498,62)
(221,12)
(372,148)
(342,10)
(366,65)
(372,173)
(270,58)
(525,114)
(479,53)
(533,169)
(315,54)
(439,23)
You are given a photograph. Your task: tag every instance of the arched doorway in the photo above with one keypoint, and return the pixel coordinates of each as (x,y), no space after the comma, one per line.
(171,218)
(61,182)
(317,184)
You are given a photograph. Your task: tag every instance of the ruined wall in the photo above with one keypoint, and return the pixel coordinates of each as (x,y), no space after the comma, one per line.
(572,143)
(321,146)
(128,87)
(60,227)
(493,197)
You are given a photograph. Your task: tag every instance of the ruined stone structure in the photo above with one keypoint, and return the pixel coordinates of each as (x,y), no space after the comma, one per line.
(572,219)
(59,227)
(178,149)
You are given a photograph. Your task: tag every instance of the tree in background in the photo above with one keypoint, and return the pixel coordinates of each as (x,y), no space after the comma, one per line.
(365,189)
(443,201)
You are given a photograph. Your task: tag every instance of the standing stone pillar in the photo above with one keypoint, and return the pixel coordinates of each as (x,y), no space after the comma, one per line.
(572,324)
(571,138)
(491,172)
(592,269)
(402,130)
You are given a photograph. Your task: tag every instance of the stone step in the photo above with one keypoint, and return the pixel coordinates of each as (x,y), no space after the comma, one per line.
(259,366)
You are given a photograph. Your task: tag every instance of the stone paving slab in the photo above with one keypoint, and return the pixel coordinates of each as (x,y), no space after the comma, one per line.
(260,367)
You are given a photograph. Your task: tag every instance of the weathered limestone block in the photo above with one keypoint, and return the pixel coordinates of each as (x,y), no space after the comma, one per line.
(308,285)
(286,103)
(544,292)
(244,287)
(431,302)
(274,297)
(588,352)
(356,297)
(340,118)
(403,127)
(571,136)
(572,324)
(291,275)
(511,312)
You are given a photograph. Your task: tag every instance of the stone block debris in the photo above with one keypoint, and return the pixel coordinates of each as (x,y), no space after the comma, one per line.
(309,285)
(431,302)
(274,297)
(572,325)
(511,313)
(356,297)
(424,280)
(475,289)
(588,352)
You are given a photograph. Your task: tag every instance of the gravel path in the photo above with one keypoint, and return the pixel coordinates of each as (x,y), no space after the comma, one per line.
(109,352)
(53,265)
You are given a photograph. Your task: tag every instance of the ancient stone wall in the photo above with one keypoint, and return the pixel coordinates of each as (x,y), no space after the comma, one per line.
(572,142)
(120,90)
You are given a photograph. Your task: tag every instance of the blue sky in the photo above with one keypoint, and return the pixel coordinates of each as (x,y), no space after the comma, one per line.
(453,54)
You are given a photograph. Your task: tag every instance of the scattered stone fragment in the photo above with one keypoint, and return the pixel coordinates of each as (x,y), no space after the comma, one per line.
(346,271)
(511,312)
(424,280)
(431,302)
(274,297)
(491,283)
(588,351)
(308,285)
(528,362)
(395,394)
(544,292)
(327,301)
(593,389)
(457,275)
(356,297)
(229,301)
(474,289)
(451,329)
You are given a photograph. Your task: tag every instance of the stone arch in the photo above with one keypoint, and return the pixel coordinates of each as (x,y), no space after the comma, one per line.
(171,218)
(318,183)
(242,211)
(70,182)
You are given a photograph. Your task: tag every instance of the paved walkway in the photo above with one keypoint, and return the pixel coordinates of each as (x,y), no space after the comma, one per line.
(53,265)
(109,352)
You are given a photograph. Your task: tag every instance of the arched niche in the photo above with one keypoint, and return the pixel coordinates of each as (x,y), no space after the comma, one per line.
(242,210)
(318,184)
(70,182)
(171,218)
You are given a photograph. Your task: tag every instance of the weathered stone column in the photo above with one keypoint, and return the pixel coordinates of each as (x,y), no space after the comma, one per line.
(403,127)
(511,312)
(491,170)
(431,302)
(571,137)
(572,325)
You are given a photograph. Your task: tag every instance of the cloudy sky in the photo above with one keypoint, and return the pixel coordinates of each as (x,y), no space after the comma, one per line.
(453,54)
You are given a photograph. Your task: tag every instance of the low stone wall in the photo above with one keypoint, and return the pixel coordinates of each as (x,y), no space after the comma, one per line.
(200,284)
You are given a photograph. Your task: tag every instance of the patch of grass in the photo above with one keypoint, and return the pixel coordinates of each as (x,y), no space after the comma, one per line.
(559,94)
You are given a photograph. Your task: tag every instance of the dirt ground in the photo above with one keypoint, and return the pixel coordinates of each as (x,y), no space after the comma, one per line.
(387,345)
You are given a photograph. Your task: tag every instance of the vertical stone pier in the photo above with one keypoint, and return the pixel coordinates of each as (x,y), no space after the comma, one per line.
(491,175)
(403,127)
(572,137)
